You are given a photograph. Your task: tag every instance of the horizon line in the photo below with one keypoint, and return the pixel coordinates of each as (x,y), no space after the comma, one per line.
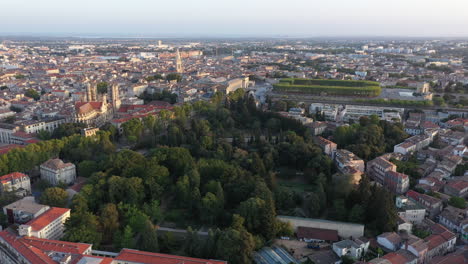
(217,35)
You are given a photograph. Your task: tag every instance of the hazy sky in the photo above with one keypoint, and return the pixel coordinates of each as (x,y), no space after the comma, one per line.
(237,17)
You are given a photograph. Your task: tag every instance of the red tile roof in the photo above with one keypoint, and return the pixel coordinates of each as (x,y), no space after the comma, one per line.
(395,258)
(413,195)
(46,218)
(458,185)
(7,148)
(435,241)
(30,253)
(9,177)
(317,233)
(24,135)
(59,246)
(153,258)
(449,259)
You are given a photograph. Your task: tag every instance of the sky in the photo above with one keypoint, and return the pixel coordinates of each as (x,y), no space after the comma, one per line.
(248,18)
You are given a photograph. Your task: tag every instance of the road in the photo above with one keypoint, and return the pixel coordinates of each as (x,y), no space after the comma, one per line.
(180,231)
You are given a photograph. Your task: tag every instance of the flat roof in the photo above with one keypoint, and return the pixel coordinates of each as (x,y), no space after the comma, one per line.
(27,204)
(318,220)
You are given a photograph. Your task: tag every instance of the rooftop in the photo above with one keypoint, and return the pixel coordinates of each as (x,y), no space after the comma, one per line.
(46,218)
(317,233)
(27,204)
(131,255)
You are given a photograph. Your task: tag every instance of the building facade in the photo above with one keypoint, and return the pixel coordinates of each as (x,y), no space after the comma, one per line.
(16,182)
(55,171)
(49,225)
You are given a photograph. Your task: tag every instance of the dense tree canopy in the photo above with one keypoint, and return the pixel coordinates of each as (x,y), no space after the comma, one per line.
(216,165)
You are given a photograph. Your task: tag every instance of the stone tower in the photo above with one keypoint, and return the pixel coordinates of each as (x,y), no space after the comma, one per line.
(114,96)
(91,92)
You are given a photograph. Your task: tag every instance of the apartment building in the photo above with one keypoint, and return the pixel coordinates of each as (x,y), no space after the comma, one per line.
(378,168)
(49,225)
(328,147)
(346,160)
(396,182)
(24,210)
(354,112)
(413,144)
(410,210)
(15,182)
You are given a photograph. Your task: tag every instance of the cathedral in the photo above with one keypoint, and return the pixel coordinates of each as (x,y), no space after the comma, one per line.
(96,109)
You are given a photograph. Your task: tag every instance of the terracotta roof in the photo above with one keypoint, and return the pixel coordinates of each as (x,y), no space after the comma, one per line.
(393,237)
(9,177)
(458,185)
(317,233)
(412,194)
(23,135)
(395,258)
(7,148)
(435,241)
(56,245)
(131,255)
(449,259)
(30,253)
(56,164)
(46,218)
(85,107)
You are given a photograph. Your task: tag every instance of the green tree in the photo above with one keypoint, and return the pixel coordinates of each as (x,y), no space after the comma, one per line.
(31,93)
(236,244)
(109,221)
(192,243)
(133,129)
(211,208)
(83,228)
(149,238)
(102,87)
(174,76)
(87,167)
(54,196)
(457,202)
(357,214)
(127,238)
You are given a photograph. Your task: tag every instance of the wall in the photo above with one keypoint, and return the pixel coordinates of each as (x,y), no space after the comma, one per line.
(345,230)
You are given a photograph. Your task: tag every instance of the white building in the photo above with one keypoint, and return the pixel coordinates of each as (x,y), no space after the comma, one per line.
(24,210)
(15,182)
(409,210)
(36,126)
(55,171)
(413,144)
(6,132)
(329,111)
(49,225)
(355,112)
(355,249)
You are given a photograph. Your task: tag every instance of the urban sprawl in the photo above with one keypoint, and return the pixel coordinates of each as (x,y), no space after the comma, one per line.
(233,151)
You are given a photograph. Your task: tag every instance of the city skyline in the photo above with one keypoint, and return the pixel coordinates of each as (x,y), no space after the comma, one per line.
(242,18)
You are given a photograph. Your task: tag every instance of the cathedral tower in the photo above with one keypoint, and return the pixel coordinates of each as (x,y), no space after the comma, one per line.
(114,96)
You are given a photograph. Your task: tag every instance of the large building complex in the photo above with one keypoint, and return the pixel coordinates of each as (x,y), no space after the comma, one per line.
(32,250)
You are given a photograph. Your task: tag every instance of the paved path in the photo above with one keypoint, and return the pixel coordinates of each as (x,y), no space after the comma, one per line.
(180,231)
